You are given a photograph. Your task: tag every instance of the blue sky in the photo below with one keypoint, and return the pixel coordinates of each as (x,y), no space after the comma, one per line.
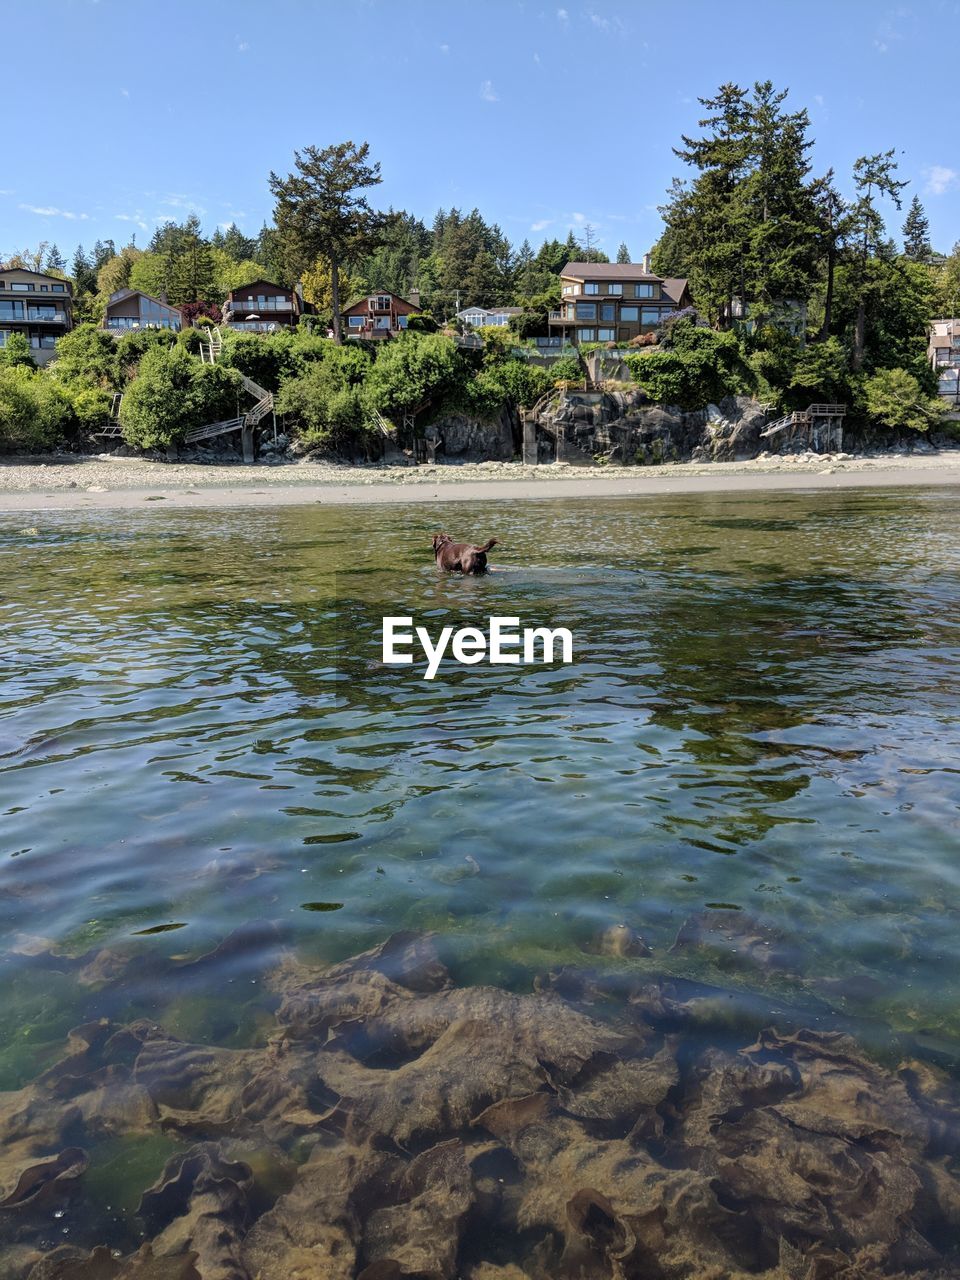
(123,113)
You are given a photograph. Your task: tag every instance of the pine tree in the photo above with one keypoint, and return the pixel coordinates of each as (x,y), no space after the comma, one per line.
(81,269)
(916,233)
(873,176)
(623,253)
(322,211)
(55,261)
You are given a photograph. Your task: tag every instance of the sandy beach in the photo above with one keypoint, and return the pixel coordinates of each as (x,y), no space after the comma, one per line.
(69,482)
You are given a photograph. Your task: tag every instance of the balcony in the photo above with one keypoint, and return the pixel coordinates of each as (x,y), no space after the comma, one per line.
(558,317)
(39,316)
(257,305)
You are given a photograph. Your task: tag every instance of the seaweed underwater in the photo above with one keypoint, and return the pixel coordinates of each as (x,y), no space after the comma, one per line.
(397,1125)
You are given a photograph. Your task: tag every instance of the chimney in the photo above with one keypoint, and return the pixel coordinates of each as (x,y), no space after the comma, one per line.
(413,297)
(646,264)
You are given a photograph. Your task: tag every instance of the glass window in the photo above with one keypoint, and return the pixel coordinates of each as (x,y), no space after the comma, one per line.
(356,322)
(43,288)
(608,311)
(615,288)
(587,335)
(592,287)
(569,288)
(606,335)
(21,288)
(59,288)
(10,310)
(586,311)
(402,321)
(644,291)
(629,313)
(650,315)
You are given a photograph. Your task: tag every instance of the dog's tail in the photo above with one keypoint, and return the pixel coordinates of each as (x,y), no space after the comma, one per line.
(492,542)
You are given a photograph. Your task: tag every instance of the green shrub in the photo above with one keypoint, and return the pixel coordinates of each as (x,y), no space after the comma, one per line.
(894,398)
(173,393)
(34,410)
(325,399)
(699,368)
(421,323)
(16,353)
(267,358)
(135,343)
(412,370)
(88,357)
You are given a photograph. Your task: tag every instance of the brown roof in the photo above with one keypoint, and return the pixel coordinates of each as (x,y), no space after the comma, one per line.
(673,288)
(608,271)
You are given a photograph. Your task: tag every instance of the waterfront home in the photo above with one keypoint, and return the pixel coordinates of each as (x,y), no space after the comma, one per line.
(488,317)
(264,307)
(379,315)
(789,315)
(943,352)
(614,301)
(38,306)
(133,309)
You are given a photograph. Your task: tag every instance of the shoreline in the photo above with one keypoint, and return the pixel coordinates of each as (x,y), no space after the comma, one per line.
(108,481)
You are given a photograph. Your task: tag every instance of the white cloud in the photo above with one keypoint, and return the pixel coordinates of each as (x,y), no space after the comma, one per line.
(818,99)
(125,93)
(536,58)
(135,218)
(940,179)
(579,218)
(563,17)
(541,224)
(488,93)
(242,45)
(444,48)
(606,25)
(49,211)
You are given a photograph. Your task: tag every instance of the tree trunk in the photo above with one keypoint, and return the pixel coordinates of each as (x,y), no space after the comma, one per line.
(859,335)
(828,298)
(335,298)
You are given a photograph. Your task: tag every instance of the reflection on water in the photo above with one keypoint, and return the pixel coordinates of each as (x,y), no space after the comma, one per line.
(752,763)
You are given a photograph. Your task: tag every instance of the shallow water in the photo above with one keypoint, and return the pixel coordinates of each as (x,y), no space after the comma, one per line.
(197,737)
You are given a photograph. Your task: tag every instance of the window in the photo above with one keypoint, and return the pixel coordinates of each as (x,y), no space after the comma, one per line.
(606,335)
(608,311)
(615,289)
(650,315)
(586,311)
(567,288)
(43,288)
(382,322)
(586,335)
(59,288)
(355,322)
(644,291)
(21,288)
(629,313)
(43,342)
(402,321)
(592,287)
(10,310)
(383,301)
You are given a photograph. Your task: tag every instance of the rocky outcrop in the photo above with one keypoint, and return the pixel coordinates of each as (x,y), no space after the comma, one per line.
(468,439)
(622,427)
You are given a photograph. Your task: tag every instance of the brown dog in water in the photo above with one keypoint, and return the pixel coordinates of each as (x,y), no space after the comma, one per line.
(460,557)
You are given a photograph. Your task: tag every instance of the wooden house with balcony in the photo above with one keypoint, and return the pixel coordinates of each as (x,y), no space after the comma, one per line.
(264,307)
(613,301)
(943,352)
(38,306)
(379,315)
(132,309)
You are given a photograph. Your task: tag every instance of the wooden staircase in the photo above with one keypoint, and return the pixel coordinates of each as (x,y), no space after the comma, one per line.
(210,352)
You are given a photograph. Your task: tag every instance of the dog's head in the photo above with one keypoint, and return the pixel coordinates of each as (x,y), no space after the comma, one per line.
(440,540)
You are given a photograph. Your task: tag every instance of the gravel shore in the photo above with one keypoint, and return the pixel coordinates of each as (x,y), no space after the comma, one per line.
(78,482)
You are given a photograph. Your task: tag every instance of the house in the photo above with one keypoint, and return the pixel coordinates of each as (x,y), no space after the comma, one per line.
(133,309)
(380,315)
(264,307)
(788,315)
(613,301)
(488,317)
(943,352)
(38,306)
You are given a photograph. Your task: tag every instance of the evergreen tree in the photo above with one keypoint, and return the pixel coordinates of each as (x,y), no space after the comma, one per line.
(322,211)
(873,176)
(55,261)
(623,253)
(81,269)
(916,233)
